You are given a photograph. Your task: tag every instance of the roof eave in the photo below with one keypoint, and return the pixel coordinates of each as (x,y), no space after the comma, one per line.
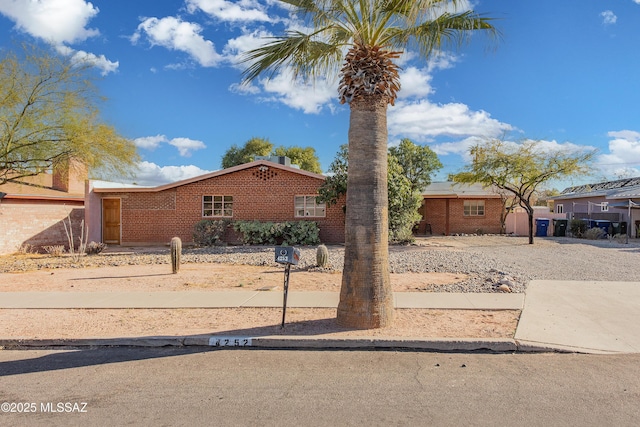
(208,176)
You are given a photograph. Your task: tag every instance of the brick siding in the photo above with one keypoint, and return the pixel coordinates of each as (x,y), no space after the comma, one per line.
(435,214)
(156,217)
(37,223)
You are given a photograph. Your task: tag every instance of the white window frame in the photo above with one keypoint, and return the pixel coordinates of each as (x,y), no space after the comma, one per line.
(604,207)
(225,206)
(469,206)
(306,206)
(560,208)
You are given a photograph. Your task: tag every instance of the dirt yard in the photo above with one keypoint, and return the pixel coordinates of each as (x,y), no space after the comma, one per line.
(109,323)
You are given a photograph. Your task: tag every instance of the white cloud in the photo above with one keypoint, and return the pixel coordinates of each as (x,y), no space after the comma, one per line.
(59,23)
(185,145)
(630,135)
(308,97)
(441,61)
(244,89)
(80,56)
(415,82)
(236,47)
(608,17)
(624,154)
(422,120)
(569,147)
(243,10)
(150,142)
(151,174)
(55,21)
(175,34)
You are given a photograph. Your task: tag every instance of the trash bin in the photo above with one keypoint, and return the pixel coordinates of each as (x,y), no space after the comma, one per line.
(619,228)
(542,227)
(560,227)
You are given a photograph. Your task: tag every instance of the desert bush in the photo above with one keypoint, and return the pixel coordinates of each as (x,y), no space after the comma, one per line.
(94,248)
(594,233)
(209,232)
(620,238)
(54,250)
(26,249)
(578,227)
(275,233)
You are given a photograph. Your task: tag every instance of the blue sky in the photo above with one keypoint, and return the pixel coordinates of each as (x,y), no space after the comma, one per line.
(565,72)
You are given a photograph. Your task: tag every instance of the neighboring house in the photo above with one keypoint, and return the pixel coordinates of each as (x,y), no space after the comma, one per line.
(261,190)
(450,208)
(616,201)
(32,213)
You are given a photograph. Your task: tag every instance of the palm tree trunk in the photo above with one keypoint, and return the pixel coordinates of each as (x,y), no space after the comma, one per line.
(366,299)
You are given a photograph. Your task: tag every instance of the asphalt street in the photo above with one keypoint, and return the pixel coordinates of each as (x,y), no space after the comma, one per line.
(202,386)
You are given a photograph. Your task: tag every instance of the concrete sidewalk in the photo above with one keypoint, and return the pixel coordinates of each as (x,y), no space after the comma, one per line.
(236,299)
(588,317)
(582,316)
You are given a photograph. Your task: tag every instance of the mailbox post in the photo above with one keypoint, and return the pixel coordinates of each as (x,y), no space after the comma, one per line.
(288,256)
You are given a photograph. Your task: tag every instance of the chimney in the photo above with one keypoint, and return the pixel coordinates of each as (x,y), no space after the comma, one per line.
(69,176)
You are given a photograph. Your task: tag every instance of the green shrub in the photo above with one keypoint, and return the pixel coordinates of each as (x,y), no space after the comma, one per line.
(578,227)
(209,232)
(276,233)
(401,236)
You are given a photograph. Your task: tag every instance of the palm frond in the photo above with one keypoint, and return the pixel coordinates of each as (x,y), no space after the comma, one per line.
(446,30)
(305,54)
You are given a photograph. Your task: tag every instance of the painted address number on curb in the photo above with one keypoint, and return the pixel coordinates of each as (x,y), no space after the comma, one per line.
(230,341)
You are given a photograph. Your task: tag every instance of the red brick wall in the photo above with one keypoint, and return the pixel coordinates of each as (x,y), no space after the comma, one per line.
(436,215)
(37,223)
(257,195)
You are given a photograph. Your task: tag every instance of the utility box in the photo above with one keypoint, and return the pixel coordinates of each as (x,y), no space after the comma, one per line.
(287,255)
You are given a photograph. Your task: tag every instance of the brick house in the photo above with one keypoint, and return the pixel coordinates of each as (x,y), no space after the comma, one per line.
(31,213)
(450,208)
(261,190)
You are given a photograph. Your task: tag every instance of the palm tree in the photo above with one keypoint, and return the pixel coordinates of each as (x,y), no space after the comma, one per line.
(364,37)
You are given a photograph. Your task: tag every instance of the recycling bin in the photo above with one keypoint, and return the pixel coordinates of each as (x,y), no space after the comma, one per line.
(603,225)
(542,227)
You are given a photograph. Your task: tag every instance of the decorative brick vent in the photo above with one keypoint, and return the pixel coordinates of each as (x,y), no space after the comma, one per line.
(264,173)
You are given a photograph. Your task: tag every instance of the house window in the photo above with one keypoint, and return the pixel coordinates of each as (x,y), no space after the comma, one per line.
(307,206)
(213,206)
(604,207)
(559,209)
(474,208)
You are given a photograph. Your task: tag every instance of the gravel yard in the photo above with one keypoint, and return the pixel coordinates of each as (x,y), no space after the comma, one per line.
(462,264)
(486,260)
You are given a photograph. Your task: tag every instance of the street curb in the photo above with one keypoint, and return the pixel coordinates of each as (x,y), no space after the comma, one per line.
(498,345)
